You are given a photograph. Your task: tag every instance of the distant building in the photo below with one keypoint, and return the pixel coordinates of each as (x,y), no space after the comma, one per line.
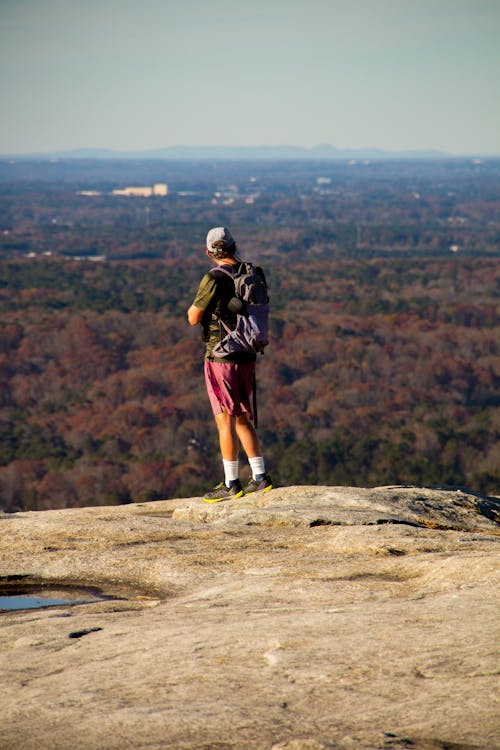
(143,192)
(160,189)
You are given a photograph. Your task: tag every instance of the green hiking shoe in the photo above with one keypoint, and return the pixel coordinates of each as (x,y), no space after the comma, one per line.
(221,492)
(261,485)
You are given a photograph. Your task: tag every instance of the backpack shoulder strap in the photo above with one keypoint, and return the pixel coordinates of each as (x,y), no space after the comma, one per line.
(222,270)
(216,317)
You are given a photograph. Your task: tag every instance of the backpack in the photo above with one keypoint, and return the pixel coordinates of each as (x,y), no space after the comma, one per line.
(251,306)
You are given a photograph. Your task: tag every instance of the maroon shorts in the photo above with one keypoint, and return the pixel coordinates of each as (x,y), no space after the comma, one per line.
(229,387)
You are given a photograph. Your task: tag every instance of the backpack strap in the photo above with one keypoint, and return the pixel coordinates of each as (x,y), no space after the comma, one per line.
(237,268)
(226,273)
(218,318)
(254,393)
(222,270)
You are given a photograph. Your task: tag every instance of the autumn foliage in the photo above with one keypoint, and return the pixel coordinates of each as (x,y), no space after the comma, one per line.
(379,371)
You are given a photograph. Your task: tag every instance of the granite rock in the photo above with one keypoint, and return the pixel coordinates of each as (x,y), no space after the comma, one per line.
(298,619)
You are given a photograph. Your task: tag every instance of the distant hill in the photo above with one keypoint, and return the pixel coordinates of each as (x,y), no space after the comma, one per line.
(323,152)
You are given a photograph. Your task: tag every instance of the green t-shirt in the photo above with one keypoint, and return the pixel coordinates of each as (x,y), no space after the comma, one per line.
(213,295)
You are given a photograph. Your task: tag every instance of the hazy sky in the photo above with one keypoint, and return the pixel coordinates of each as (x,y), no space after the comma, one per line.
(129,74)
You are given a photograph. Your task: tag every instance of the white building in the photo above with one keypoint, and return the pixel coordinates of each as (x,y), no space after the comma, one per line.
(143,192)
(160,189)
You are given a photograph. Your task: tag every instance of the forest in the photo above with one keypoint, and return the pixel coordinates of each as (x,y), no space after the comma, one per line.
(384,361)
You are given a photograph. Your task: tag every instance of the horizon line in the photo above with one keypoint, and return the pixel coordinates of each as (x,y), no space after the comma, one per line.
(319,151)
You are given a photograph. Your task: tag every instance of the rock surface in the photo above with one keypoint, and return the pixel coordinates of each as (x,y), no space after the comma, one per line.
(299,619)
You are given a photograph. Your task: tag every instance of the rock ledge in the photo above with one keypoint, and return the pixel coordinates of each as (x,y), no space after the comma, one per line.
(298,619)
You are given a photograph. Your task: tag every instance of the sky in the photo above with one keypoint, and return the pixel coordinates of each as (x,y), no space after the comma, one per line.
(129,74)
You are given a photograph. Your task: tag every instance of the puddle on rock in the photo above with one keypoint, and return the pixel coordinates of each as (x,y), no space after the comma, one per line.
(37,597)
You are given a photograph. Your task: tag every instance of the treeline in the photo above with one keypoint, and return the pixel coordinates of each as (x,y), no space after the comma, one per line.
(382,371)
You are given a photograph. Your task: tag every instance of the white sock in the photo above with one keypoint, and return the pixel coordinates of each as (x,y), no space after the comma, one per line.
(257,465)
(230,471)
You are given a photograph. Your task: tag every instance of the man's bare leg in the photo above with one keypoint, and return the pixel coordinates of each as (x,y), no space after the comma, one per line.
(248,436)
(233,428)
(228,440)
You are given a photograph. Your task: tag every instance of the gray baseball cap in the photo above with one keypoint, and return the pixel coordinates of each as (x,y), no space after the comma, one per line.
(220,242)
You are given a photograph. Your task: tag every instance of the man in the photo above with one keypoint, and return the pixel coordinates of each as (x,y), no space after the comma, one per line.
(230,379)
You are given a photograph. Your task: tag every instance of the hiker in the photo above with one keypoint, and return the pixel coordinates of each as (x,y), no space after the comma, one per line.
(230,379)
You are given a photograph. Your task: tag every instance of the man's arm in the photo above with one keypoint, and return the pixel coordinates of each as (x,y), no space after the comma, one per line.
(195,315)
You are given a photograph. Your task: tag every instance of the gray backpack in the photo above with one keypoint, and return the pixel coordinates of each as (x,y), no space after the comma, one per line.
(250,304)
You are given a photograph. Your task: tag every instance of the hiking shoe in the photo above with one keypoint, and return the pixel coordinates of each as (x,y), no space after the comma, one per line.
(221,492)
(259,485)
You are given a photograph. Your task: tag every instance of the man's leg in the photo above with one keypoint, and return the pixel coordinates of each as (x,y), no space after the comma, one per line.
(230,430)
(247,435)
(228,440)
(228,448)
